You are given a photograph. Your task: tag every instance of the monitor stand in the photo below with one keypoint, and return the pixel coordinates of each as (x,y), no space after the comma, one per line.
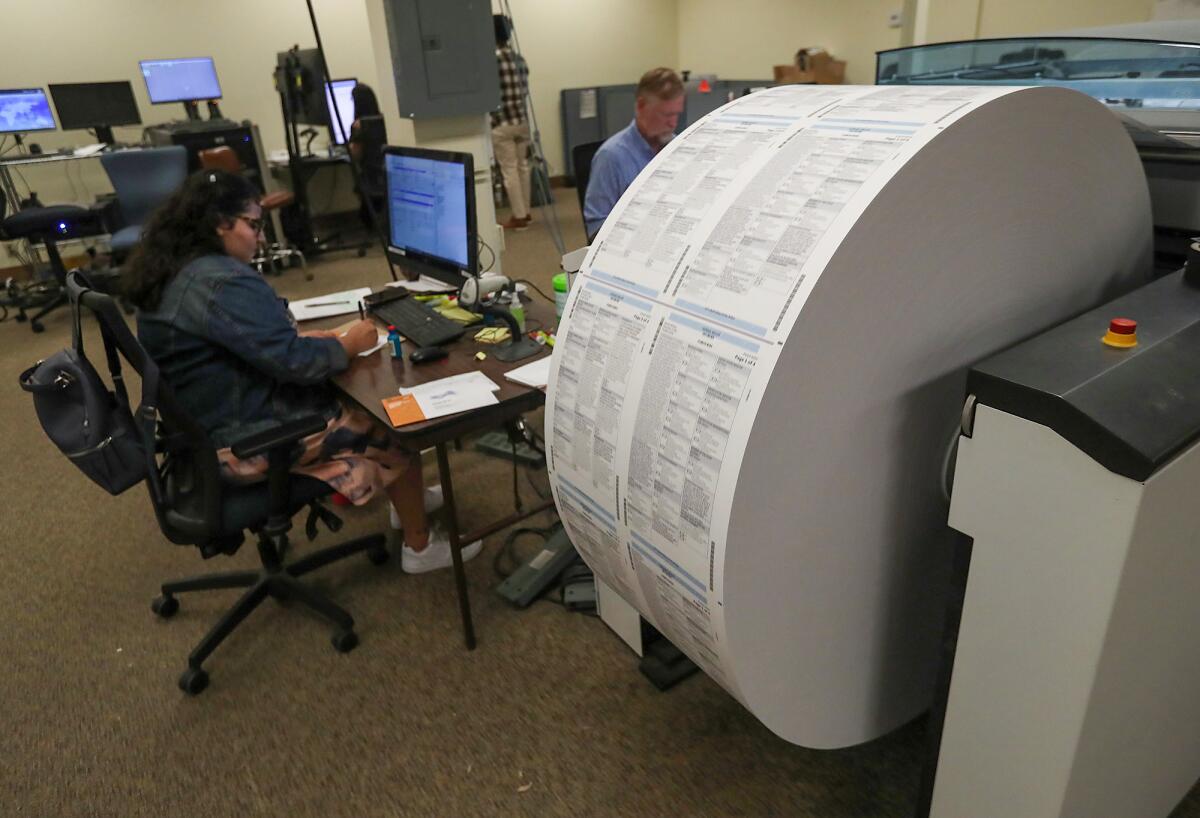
(193,109)
(104,134)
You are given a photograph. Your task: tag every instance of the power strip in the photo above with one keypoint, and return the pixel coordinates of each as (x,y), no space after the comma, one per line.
(524,585)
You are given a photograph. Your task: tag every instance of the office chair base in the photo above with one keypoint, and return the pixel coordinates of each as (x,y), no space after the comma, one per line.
(165,606)
(193,681)
(268,261)
(273,580)
(344,641)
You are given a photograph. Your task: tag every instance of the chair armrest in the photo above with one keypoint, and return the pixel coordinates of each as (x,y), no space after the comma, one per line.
(282,435)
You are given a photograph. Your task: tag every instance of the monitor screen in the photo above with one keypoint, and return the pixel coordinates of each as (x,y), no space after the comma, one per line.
(340,90)
(25,109)
(431,209)
(94,104)
(182,80)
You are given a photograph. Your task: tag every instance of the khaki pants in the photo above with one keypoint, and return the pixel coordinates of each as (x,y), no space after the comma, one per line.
(511,144)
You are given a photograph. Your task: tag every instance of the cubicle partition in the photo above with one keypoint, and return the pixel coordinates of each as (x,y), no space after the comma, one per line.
(598,112)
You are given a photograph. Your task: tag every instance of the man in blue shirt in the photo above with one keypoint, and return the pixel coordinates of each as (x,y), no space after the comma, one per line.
(623,155)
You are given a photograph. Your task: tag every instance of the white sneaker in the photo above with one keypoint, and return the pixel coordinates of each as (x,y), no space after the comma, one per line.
(436,554)
(433,501)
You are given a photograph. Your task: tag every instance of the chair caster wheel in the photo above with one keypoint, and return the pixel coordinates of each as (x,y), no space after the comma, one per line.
(378,556)
(193,681)
(36,326)
(362,251)
(344,641)
(308,276)
(165,606)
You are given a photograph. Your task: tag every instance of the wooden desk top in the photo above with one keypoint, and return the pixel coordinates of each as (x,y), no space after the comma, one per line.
(369,380)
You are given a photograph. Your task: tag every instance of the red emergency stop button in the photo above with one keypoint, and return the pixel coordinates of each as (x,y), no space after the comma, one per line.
(1122,333)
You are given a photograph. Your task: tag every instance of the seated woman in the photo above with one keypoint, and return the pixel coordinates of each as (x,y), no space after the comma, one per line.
(229,348)
(366,107)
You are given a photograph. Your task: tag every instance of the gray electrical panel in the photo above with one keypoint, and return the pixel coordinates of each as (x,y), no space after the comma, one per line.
(444,56)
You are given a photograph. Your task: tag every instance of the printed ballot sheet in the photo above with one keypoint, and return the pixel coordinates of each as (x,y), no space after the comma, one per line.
(677,317)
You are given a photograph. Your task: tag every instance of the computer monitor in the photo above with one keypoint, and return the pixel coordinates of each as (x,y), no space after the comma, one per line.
(25,109)
(341,91)
(431,212)
(188,79)
(95,105)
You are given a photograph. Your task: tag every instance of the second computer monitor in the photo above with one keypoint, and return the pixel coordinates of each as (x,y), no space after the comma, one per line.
(25,109)
(341,91)
(431,212)
(95,105)
(190,79)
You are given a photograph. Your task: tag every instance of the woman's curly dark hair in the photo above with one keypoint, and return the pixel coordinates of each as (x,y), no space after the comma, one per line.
(182,229)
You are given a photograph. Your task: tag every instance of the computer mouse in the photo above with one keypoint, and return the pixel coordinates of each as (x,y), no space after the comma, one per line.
(426,354)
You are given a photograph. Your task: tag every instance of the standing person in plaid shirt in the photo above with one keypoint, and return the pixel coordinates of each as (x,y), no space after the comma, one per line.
(510,129)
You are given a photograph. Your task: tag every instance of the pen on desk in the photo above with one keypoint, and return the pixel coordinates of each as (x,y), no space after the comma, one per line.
(361,317)
(331,303)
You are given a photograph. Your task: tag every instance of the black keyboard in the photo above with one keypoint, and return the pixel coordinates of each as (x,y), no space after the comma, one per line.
(418,322)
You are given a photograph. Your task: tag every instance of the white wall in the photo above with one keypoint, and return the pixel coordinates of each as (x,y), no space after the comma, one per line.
(1016,17)
(744,40)
(945,20)
(568,43)
(579,43)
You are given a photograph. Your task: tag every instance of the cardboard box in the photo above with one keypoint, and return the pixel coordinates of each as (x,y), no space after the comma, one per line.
(812,65)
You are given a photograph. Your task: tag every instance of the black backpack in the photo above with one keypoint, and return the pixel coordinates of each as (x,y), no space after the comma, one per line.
(92,424)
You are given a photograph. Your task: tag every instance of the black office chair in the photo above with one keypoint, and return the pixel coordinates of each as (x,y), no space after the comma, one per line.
(43,225)
(195,506)
(581,164)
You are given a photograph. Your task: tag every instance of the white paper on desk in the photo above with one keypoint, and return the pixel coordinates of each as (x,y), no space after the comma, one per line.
(468,380)
(535,374)
(452,398)
(89,150)
(383,339)
(425,284)
(324,306)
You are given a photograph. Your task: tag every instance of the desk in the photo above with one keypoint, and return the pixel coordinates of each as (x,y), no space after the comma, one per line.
(327,180)
(369,380)
(9,190)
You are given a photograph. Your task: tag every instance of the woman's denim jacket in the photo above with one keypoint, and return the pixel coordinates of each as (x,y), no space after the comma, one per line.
(227,345)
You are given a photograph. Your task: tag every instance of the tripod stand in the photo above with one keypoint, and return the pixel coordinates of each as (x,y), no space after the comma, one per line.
(290,79)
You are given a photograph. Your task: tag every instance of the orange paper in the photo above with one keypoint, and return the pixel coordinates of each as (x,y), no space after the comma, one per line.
(402,410)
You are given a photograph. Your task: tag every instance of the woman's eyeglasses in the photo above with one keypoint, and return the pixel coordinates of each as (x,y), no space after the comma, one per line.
(255,224)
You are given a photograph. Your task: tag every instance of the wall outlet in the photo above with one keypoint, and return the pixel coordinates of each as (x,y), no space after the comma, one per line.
(896,19)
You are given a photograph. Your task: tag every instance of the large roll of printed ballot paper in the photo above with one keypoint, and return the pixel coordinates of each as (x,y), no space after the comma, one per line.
(762,363)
